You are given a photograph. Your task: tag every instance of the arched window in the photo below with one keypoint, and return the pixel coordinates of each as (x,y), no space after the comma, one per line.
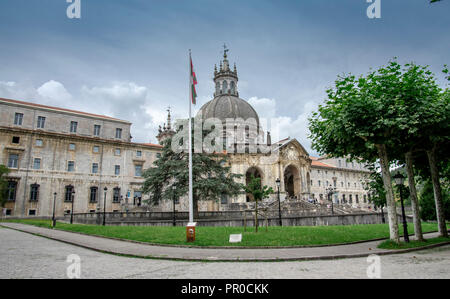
(217,87)
(232,87)
(225,87)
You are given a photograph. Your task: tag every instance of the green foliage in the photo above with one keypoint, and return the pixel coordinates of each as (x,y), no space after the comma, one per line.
(395,105)
(375,187)
(388,244)
(259,192)
(3,184)
(428,204)
(170,176)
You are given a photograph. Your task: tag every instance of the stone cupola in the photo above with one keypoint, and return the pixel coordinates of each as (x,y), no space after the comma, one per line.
(225,79)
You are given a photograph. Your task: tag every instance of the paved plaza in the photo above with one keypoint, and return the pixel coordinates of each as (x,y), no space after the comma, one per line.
(29,256)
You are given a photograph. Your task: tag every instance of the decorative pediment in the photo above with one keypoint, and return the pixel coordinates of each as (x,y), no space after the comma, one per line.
(293,151)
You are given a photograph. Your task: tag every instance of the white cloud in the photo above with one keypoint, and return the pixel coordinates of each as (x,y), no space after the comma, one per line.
(284,126)
(53,92)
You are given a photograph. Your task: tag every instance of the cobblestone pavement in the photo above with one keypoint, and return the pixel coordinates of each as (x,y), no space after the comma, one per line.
(27,256)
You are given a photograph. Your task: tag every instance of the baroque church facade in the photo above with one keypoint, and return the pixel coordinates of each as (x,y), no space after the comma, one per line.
(79,161)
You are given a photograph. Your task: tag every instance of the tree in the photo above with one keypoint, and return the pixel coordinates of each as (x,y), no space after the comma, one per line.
(3,184)
(259,193)
(358,121)
(170,177)
(375,188)
(428,205)
(418,91)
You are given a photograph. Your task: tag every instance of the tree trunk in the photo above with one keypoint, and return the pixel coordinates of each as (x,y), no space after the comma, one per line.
(390,203)
(413,193)
(437,192)
(195,205)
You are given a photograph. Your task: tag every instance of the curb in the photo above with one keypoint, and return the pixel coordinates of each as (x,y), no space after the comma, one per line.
(305,258)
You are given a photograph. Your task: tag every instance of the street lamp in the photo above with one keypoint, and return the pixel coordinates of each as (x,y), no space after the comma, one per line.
(54,203)
(279,202)
(72,195)
(399,179)
(174,221)
(330,192)
(104,207)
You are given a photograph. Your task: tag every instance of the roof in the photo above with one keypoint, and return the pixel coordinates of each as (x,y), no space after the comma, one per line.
(316,162)
(224,107)
(149,144)
(61,109)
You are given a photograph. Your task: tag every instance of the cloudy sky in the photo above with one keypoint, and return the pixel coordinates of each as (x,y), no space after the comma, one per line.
(129,59)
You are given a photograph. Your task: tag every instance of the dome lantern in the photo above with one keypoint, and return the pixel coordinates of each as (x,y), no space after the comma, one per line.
(225,79)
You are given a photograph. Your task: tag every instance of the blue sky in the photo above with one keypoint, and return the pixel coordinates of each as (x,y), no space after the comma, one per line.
(128,59)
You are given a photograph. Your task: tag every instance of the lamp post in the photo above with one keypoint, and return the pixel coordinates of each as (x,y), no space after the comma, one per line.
(73,199)
(279,202)
(54,204)
(104,207)
(399,179)
(330,192)
(174,221)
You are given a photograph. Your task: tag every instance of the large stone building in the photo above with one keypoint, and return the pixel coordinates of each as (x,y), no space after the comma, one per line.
(77,155)
(73,154)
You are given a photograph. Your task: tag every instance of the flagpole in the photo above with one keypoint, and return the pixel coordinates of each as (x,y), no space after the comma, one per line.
(191,202)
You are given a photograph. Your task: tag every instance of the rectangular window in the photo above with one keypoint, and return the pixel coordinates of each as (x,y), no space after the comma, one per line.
(11,191)
(69,194)
(72,146)
(15,140)
(71,166)
(224,199)
(116,195)
(96,149)
(39,142)
(97,130)
(139,154)
(31,212)
(34,192)
(117,170)
(37,163)
(117,152)
(41,122)
(18,118)
(93,195)
(138,170)
(73,126)
(13,161)
(94,167)
(118,133)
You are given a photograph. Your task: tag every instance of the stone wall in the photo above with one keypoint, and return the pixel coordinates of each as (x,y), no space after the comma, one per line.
(224,219)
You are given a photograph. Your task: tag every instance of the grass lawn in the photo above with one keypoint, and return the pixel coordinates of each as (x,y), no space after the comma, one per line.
(219,236)
(388,244)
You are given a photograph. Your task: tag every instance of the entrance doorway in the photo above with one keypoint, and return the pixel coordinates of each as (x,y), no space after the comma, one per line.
(292,181)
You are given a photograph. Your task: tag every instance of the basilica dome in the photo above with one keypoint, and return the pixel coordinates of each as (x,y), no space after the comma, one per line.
(228,106)
(226,103)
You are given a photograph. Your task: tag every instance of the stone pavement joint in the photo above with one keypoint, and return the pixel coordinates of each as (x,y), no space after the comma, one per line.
(133,249)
